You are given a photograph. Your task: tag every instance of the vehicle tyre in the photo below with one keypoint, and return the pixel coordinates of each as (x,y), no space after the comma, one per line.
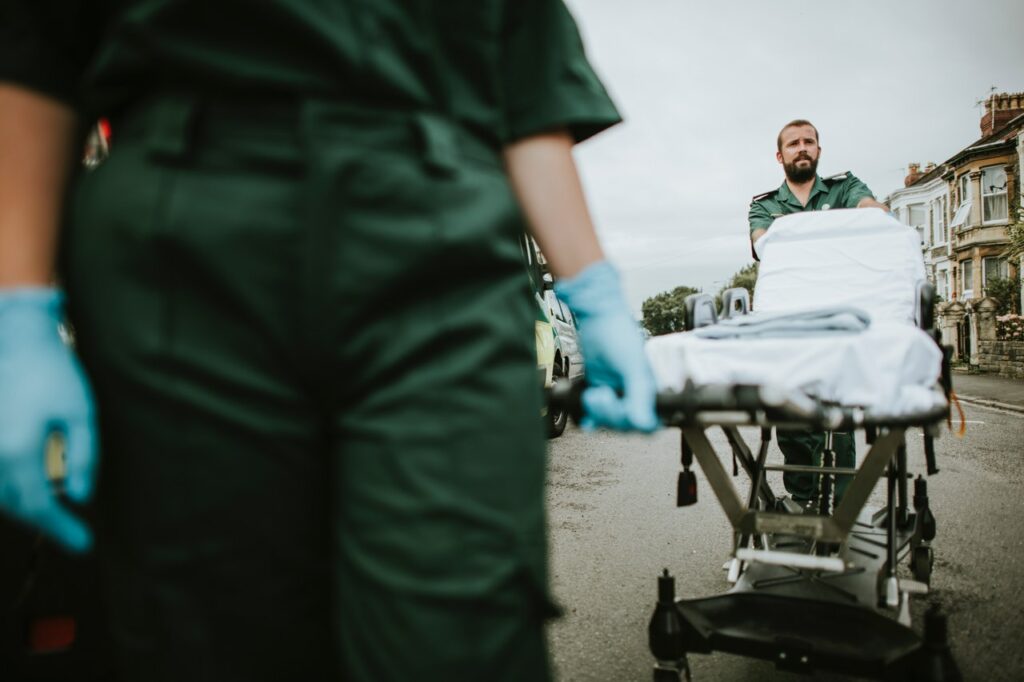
(557,417)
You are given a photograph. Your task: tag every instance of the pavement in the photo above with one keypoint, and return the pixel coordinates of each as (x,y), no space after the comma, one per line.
(989,390)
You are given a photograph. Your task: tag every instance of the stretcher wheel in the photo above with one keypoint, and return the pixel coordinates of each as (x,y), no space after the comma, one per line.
(921,564)
(670,675)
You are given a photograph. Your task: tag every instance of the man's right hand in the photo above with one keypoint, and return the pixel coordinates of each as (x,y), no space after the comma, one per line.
(43,391)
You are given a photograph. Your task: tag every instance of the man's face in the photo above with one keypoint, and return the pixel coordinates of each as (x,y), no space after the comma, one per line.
(799,153)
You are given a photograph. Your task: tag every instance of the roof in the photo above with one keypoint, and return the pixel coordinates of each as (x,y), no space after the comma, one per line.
(996,139)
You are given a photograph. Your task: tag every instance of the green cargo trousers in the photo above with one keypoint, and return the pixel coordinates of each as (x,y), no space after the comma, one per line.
(805,447)
(310,333)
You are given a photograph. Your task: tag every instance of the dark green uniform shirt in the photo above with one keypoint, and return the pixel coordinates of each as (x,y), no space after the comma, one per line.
(838,191)
(505,68)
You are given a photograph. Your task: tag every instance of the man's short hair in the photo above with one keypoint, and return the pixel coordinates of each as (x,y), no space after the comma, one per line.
(796,124)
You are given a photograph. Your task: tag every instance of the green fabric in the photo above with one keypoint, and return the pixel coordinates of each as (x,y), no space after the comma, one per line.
(839,191)
(805,447)
(507,68)
(313,353)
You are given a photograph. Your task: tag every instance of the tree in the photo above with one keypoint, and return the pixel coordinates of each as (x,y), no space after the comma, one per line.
(1006,293)
(745,277)
(663,313)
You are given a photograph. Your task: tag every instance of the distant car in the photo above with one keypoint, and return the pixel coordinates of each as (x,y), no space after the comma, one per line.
(567,361)
(568,353)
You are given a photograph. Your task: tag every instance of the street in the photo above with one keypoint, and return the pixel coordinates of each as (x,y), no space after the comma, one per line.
(614,527)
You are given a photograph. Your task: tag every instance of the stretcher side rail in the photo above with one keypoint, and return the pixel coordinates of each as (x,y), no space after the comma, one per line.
(754,405)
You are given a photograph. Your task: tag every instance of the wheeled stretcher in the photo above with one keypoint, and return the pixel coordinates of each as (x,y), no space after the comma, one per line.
(841,340)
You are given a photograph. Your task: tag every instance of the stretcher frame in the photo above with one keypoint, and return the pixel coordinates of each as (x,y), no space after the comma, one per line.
(811,591)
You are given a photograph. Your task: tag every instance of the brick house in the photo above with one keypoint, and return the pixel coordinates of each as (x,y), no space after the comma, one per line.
(983,178)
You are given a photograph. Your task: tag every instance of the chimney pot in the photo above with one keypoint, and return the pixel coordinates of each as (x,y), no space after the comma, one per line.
(913,175)
(999,109)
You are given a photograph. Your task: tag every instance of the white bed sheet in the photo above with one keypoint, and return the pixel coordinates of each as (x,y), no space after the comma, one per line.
(890,370)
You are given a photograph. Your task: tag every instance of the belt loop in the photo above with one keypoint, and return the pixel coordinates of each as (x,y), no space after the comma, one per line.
(439,143)
(174,127)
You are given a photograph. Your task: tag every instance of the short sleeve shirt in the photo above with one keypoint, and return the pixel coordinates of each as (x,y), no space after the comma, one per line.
(506,68)
(838,191)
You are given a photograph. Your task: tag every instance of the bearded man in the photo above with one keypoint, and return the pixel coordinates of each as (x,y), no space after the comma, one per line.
(803,190)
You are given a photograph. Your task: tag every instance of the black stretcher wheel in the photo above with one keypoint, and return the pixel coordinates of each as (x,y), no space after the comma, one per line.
(662,675)
(921,564)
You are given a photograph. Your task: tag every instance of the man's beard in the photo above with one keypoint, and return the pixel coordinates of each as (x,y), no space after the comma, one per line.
(803,174)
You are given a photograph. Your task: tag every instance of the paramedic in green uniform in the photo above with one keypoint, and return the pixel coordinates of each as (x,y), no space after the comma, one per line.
(803,190)
(297,292)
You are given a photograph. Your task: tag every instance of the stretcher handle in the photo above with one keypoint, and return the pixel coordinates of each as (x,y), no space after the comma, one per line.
(566,394)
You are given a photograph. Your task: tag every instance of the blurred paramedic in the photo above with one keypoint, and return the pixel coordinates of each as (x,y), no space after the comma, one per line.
(798,152)
(298,296)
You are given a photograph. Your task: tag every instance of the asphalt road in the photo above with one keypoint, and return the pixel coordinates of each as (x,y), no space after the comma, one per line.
(614,526)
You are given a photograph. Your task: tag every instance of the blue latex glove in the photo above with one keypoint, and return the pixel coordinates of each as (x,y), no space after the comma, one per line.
(613,350)
(42,391)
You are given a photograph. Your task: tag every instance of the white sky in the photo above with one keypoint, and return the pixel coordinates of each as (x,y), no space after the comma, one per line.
(705,87)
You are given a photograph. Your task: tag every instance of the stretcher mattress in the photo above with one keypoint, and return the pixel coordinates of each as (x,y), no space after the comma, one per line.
(859,260)
(862,258)
(890,370)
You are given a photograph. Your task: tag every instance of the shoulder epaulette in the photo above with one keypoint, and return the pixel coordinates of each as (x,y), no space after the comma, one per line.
(837,177)
(758,197)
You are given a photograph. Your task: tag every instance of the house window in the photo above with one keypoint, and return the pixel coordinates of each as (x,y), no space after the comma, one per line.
(967,278)
(995,268)
(963,207)
(945,225)
(938,221)
(917,219)
(965,189)
(932,237)
(917,215)
(993,194)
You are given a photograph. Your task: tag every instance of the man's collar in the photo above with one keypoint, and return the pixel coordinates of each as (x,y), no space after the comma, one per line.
(785,194)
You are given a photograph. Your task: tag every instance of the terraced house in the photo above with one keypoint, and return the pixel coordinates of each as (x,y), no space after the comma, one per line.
(962,207)
(984,181)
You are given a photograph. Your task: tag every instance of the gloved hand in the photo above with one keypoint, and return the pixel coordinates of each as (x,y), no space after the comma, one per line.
(613,351)
(42,390)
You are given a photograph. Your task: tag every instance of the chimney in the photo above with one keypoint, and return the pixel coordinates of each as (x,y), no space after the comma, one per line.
(913,175)
(999,109)
(929,167)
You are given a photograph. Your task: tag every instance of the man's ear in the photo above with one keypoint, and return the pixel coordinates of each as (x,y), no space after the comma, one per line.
(778,156)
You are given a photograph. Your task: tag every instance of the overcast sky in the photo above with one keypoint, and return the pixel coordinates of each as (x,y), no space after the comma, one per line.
(705,86)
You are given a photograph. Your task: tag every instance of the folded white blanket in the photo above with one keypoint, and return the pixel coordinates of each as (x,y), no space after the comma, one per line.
(842,319)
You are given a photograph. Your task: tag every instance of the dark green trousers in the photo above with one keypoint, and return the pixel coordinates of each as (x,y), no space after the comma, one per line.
(310,333)
(805,447)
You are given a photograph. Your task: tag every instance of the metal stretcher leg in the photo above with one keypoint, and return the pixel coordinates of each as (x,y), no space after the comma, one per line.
(821,528)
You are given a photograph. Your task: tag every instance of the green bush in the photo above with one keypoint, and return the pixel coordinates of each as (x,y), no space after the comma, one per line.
(1006,293)
(663,313)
